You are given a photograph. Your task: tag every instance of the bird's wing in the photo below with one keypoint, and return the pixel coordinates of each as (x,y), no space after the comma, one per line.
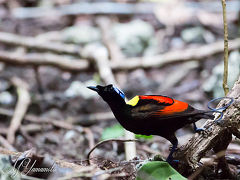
(178,108)
(150,99)
(158,107)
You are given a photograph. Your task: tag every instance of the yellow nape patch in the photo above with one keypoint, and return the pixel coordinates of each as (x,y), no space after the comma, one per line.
(133,101)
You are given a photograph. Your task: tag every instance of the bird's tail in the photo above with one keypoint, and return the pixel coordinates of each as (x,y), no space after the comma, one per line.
(199,114)
(208,115)
(205,115)
(221,109)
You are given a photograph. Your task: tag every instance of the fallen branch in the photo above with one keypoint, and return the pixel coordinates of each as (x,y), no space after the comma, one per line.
(45,59)
(190,54)
(20,109)
(108,39)
(37,44)
(106,8)
(99,55)
(216,137)
(78,65)
(85,8)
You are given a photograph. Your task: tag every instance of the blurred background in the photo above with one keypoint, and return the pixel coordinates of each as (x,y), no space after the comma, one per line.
(52,49)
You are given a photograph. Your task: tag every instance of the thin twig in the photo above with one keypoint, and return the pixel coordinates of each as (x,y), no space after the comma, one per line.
(225,74)
(109,140)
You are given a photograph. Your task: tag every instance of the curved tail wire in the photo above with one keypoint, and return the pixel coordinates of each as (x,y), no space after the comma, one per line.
(221,109)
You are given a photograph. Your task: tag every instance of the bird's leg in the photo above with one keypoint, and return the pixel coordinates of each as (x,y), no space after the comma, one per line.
(174,142)
(196,129)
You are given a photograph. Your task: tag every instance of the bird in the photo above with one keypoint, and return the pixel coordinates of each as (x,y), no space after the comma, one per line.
(151,114)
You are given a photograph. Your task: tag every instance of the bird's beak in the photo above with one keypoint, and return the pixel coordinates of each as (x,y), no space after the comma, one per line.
(94,88)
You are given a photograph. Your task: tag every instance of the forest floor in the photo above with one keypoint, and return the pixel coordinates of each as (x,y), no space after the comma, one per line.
(50,52)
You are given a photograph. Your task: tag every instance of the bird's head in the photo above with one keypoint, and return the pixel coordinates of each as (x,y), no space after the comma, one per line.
(108,93)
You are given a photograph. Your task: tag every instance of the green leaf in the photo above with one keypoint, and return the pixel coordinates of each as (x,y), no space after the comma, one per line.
(158,170)
(139,136)
(115,131)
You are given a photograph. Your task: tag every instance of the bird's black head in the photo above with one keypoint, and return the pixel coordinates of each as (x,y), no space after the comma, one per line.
(109,93)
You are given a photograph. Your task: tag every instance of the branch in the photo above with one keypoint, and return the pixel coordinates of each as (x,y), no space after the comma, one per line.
(20,109)
(190,54)
(85,8)
(45,59)
(78,65)
(37,44)
(225,74)
(114,50)
(106,8)
(216,137)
